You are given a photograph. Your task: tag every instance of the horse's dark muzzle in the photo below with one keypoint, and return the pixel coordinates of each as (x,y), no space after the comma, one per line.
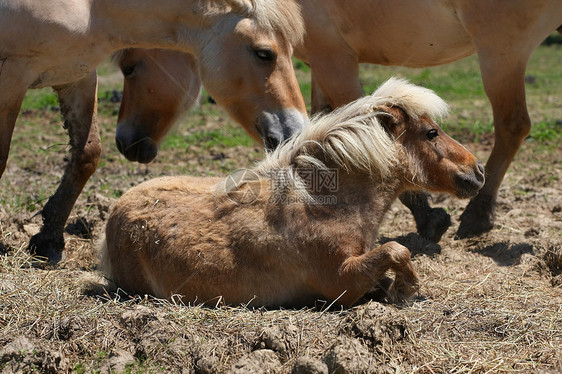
(468,184)
(143,150)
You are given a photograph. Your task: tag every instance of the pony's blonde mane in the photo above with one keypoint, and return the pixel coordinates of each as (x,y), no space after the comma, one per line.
(351,137)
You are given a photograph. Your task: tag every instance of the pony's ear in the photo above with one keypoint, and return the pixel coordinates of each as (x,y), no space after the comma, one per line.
(240,6)
(389,117)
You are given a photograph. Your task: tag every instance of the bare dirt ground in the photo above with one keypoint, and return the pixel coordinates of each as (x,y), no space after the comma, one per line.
(488,304)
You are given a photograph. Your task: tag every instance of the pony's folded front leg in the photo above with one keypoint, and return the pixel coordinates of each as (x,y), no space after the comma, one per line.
(79,107)
(362,273)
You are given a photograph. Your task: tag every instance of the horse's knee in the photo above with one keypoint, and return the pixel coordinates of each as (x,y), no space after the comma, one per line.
(512,125)
(89,157)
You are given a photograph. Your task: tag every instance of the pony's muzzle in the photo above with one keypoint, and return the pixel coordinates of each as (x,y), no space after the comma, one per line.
(140,148)
(468,184)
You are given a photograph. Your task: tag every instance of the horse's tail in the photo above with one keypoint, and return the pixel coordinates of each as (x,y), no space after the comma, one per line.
(560,29)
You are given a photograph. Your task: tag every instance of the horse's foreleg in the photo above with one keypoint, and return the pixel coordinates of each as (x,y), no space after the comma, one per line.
(12,91)
(358,275)
(504,83)
(431,223)
(335,82)
(79,107)
(319,103)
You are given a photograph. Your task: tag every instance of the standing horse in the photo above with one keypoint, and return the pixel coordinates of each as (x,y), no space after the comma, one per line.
(243,48)
(303,224)
(342,34)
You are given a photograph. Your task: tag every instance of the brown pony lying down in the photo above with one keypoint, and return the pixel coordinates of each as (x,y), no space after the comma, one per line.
(303,224)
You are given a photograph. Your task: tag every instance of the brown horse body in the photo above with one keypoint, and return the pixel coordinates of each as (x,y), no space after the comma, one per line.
(342,34)
(58,44)
(279,234)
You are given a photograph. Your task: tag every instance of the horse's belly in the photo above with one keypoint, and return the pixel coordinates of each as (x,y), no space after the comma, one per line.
(403,33)
(415,53)
(60,76)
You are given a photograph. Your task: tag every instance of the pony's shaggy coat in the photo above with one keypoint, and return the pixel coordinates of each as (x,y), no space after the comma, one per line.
(253,237)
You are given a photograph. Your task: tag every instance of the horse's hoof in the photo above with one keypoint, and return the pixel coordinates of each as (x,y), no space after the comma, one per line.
(433,224)
(475,220)
(49,247)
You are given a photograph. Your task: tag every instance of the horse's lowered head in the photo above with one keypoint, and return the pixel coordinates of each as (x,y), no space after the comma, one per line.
(245,64)
(159,86)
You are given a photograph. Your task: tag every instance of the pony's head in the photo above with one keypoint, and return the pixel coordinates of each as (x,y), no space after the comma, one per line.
(389,134)
(434,160)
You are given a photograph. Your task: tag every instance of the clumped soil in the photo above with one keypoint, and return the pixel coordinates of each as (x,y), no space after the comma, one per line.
(487,304)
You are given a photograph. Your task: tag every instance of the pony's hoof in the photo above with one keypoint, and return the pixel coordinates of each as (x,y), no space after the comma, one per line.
(49,247)
(475,220)
(401,292)
(433,224)
(378,293)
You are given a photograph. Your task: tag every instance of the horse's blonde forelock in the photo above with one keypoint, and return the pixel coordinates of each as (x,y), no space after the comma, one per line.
(283,16)
(280,15)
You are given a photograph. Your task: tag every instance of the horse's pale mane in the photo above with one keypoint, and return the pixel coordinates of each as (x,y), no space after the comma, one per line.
(351,137)
(282,16)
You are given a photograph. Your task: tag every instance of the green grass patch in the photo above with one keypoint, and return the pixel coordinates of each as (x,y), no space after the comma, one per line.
(547,131)
(40,99)
(230,137)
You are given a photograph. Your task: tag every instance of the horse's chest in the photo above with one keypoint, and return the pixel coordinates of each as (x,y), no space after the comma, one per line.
(56,76)
(62,66)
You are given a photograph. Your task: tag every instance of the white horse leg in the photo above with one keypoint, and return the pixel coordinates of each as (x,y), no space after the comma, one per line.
(13,87)
(504,83)
(79,107)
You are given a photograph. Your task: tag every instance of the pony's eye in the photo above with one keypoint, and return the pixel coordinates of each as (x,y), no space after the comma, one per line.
(128,70)
(265,55)
(432,134)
